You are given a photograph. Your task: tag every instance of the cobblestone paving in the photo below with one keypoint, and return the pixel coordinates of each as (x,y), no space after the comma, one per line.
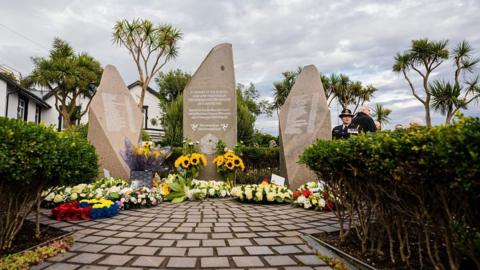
(212,234)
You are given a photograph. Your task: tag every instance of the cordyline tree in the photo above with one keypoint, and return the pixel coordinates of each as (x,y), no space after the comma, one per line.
(69,76)
(449,98)
(422,58)
(381,114)
(150,46)
(336,86)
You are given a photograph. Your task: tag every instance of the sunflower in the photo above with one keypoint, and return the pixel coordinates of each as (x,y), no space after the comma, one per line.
(179,161)
(236,161)
(218,161)
(194,159)
(186,162)
(230,165)
(229,154)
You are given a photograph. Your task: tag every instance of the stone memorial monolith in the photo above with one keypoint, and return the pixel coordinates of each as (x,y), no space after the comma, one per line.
(304,117)
(112,117)
(209,105)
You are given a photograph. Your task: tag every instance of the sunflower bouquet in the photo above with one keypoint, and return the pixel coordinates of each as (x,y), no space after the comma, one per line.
(145,157)
(228,164)
(191,161)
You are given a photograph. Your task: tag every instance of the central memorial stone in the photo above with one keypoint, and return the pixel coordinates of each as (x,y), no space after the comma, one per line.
(304,117)
(210,107)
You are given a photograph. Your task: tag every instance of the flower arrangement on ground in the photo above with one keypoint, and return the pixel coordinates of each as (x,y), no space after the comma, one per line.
(101,208)
(227,163)
(116,190)
(263,193)
(212,188)
(181,189)
(191,162)
(144,160)
(313,195)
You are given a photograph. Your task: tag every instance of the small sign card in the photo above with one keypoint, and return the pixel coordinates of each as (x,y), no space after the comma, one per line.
(106,173)
(277,180)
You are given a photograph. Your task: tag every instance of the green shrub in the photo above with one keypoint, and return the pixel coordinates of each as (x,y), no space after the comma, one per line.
(32,158)
(172,121)
(421,186)
(81,130)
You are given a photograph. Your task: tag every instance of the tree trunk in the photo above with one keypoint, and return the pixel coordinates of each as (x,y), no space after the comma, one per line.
(66,118)
(449,118)
(428,119)
(142,95)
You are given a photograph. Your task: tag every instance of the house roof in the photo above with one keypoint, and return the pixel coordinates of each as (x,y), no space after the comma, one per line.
(24,91)
(130,87)
(149,89)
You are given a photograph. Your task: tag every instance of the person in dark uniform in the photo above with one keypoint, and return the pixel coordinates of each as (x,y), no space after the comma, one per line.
(363,121)
(346,129)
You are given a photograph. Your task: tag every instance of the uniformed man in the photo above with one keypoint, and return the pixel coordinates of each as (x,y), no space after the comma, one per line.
(346,129)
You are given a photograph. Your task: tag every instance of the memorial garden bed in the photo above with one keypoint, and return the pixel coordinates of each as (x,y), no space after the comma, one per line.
(414,193)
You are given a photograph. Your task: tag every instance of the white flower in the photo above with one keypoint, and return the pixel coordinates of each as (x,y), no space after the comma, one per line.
(248,194)
(223,193)
(58,198)
(74,196)
(321,203)
(270,196)
(68,190)
(50,197)
(307,204)
(211,192)
(259,195)
(134,200)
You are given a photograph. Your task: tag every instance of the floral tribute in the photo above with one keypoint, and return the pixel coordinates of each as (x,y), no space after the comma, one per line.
(212,188)
(228,162)
(104,197)
(100,208)
(263,193)
(145,157)
(191,162)
(313,195)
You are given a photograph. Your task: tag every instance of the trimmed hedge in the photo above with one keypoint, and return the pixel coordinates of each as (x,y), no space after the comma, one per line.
(32,158)
(409,190)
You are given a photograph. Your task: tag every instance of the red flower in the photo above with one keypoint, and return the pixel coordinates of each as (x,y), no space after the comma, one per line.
(296,194)
(329,205)
(306,193)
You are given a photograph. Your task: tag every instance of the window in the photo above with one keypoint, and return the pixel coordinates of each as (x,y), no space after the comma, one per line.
(22,108)
(38,114)
(145,115)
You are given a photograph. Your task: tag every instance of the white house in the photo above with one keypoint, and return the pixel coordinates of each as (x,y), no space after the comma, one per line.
(34,105)
(18,102)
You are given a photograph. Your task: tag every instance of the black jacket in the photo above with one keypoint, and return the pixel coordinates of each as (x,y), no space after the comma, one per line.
(364,123)
(340,132)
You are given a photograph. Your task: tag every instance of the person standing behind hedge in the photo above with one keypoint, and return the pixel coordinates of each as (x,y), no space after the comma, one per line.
(363,121)
(346,129)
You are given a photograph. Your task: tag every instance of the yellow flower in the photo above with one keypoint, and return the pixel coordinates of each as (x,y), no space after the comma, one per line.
(179,161)
(186,162)
(229,154)
(165,189)
(196,158)
(156,154)
(218,161)
(139,151)
(230,165)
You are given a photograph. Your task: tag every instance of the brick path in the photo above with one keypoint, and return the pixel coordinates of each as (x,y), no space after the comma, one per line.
(212,234)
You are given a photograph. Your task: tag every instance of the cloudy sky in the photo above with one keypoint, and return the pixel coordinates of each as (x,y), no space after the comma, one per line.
(357,37)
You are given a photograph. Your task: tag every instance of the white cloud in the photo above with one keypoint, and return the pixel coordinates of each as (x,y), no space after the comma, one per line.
(358,38)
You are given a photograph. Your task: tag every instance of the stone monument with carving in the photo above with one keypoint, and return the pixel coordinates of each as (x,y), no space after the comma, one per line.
(113,116)
(304,118)
(209,105)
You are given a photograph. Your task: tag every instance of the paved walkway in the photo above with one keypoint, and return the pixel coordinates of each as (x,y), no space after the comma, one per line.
(212,234)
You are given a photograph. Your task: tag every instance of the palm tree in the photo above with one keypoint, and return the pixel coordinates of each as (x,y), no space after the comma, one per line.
(282,88)
(150,46)
(381,114)
(69,76)
(423,57)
